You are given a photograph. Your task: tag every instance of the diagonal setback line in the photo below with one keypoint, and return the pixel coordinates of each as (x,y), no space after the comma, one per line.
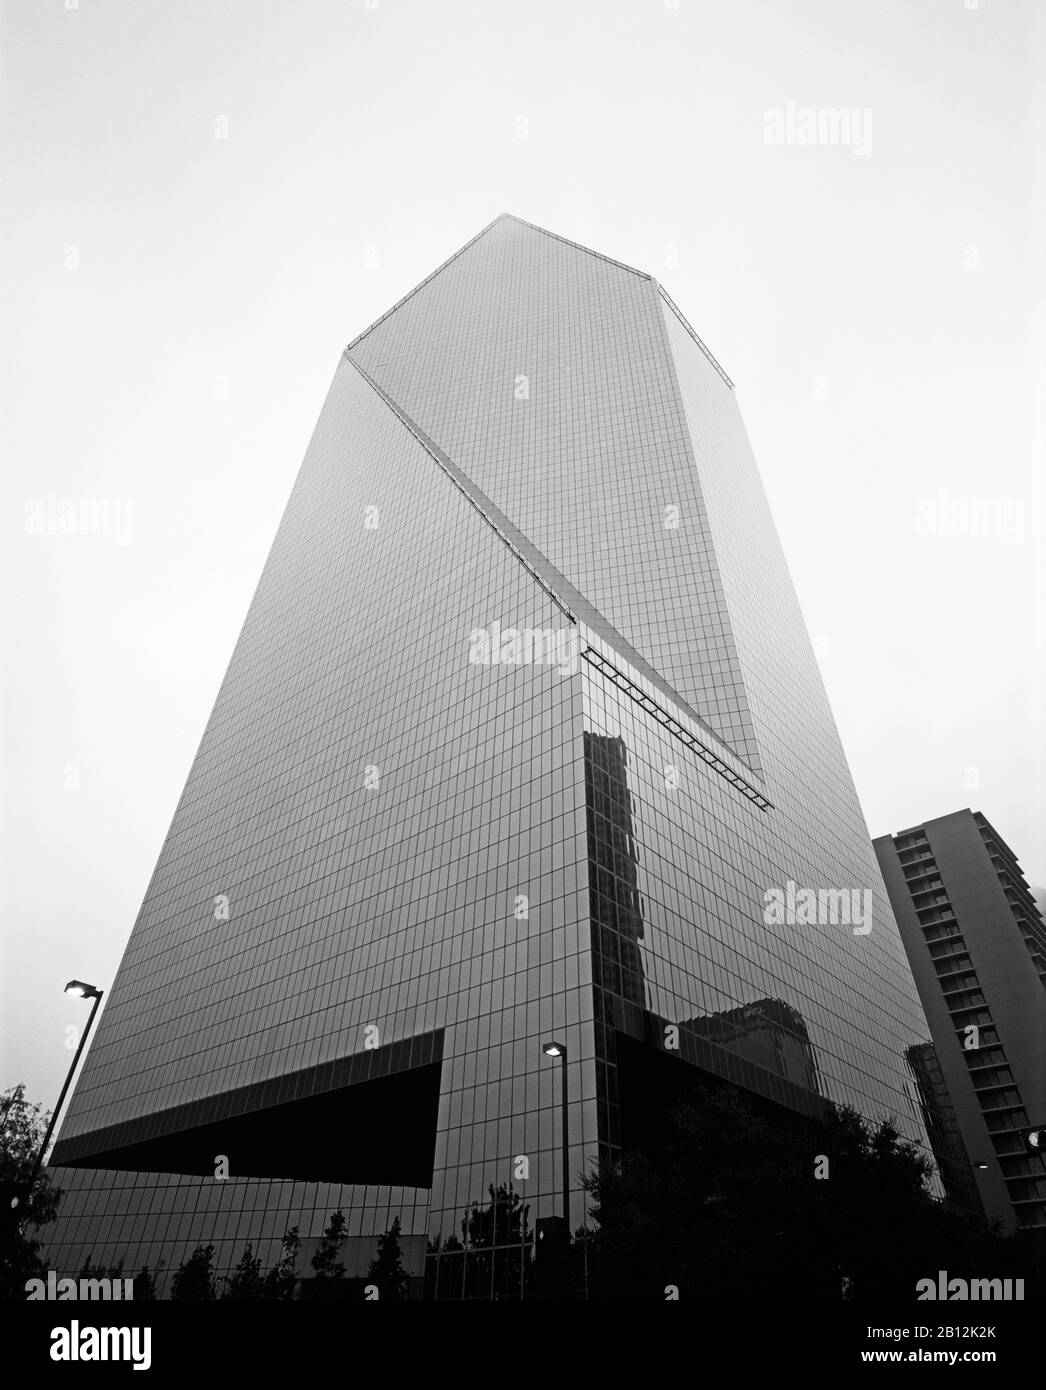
(686,324)
(490,514)
(576,607)
(707,755)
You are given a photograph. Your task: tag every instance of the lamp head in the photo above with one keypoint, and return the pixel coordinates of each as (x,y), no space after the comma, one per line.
(82,991)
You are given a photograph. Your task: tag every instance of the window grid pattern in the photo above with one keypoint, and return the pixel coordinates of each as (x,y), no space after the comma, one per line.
(395,904)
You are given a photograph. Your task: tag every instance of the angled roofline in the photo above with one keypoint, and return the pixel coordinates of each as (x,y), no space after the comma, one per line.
(501,217)
(422,283)
(643,275)
(576,245)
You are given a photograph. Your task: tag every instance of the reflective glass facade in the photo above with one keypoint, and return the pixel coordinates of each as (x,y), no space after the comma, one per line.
(522,729)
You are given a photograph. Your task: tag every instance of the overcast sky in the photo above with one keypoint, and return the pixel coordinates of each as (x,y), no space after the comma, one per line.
(205,200)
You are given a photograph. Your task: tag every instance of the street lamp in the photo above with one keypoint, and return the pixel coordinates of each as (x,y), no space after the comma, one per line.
(558,1049)
(82,991)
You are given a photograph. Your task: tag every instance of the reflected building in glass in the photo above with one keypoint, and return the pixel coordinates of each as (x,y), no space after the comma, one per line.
(522,732)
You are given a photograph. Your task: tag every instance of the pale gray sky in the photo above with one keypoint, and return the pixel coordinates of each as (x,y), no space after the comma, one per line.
(205,200)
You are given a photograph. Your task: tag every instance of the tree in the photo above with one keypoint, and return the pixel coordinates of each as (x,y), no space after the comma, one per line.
(386,1269)
(281,1281)
(89,1270)
(22,1129)
(496,1258)
(740,1206)
(246,1280)
(329,1269)
(444,1264)
(194,1279)
(145,1284)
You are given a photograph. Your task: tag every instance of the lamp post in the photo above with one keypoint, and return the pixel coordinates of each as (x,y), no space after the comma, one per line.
(83,991)
(557,1049)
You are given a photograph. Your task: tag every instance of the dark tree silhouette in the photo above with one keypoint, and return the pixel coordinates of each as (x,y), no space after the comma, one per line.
(494,1258)
(89,1270)
(145,1284)
(282,1280)
(246,1281)
(22,1129)
(386,1269)
(194,1279)
(734,1210)
(329,1280)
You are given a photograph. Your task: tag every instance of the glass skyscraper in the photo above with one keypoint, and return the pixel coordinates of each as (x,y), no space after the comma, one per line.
(977,946)
(523,739)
